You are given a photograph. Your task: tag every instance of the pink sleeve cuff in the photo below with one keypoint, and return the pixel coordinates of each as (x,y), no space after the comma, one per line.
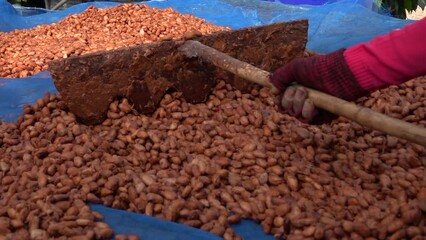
(356,59)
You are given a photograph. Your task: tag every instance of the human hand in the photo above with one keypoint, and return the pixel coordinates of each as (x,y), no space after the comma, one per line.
(295,102)
(328,73)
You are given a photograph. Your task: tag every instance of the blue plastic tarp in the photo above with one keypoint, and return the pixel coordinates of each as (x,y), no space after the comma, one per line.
(153,228)
(18,92)
(366,3)
(333,25)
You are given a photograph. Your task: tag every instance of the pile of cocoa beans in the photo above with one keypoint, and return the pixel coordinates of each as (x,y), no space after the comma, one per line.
(26,52)
(205,165)
(209,165)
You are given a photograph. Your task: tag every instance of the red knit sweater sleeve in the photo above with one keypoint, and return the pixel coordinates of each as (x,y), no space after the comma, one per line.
(390,59)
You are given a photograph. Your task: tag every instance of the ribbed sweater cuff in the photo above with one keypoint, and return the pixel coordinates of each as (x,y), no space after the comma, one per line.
(337,78)
(355,59)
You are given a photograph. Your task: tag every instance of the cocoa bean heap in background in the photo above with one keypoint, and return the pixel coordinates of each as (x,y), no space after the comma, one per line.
(209,165)
(26,52)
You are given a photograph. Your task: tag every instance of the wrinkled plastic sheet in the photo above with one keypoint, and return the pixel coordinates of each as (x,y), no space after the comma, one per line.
(30,11)
(333,25)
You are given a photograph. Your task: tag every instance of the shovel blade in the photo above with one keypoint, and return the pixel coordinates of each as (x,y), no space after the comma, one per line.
(145,73)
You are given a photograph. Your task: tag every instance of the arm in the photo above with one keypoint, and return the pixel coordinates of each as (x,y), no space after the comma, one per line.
(390,59)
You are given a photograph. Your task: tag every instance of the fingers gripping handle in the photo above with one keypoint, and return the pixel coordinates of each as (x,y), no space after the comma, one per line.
(363,116)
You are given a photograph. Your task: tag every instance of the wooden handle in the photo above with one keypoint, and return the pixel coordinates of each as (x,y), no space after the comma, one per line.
(369,118)
(363,116)
(242,69)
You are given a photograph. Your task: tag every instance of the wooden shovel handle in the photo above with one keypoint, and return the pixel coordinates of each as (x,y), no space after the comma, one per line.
(363,116)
